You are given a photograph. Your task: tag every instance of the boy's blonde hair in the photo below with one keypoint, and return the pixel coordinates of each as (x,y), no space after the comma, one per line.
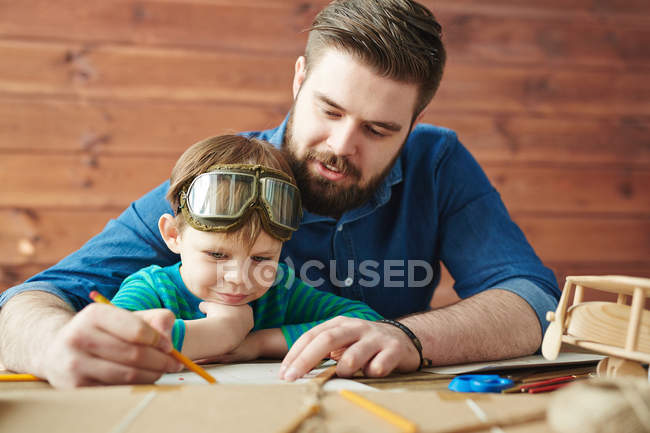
(225,149)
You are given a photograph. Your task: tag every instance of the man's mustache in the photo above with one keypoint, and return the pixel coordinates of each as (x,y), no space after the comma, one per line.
(340,163)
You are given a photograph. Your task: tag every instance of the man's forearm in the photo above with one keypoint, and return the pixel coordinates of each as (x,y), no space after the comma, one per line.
(28,321)
(495,324)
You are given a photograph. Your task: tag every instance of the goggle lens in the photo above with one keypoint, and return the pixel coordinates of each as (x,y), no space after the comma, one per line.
(235,192)
(220,197)
(282,201)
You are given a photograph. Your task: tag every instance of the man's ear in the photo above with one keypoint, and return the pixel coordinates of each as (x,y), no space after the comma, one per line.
(420,116)
(170,233)
(299,74)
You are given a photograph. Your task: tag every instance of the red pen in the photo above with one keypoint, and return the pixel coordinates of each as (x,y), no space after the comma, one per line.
(545,384)
(527,386)
(547,388)
(551,384)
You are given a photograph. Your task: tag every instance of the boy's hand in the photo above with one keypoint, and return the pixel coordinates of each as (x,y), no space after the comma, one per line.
(265,343)
(248,350)
(239,317)
(224,328)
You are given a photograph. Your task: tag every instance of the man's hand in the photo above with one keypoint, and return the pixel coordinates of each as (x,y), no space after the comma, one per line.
(106,345)
(376,348)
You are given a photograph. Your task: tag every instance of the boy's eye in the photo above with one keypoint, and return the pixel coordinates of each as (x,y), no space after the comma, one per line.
(260,258)
(216,255)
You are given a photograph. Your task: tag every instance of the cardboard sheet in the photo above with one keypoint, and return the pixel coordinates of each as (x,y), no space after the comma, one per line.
(565,358)
(244,408)
(144,409)
(434,411)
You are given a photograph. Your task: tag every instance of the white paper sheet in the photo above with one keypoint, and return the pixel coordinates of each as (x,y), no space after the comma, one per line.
(564,358)
(257,374)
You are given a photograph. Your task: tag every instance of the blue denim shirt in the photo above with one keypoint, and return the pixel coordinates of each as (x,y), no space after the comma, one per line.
(436,204)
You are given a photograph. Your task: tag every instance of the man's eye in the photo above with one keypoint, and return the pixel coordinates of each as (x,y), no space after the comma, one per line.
(260,258)
(332,114)
(375,132)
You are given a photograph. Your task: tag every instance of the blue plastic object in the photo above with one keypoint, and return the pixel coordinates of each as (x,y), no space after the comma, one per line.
(479,383)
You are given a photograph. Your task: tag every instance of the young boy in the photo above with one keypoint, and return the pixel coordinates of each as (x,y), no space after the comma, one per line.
(236,201)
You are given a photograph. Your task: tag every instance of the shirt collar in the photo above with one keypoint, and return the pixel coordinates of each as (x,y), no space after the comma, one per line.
(277,136)
(380,198)
(192,300)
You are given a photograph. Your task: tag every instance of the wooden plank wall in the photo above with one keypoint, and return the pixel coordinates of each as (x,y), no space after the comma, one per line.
(98,98)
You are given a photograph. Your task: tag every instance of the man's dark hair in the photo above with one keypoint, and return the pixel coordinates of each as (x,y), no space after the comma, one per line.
(398,39)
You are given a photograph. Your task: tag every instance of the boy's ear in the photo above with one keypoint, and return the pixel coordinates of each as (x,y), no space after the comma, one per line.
(170,232)
(299,74)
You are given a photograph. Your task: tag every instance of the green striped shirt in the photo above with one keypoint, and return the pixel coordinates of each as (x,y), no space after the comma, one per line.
(289,304)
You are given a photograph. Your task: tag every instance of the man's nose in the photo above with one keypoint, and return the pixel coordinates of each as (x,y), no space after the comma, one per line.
(342,139)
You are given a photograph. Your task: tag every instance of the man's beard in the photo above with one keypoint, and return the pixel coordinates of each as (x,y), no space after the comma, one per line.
(320,195)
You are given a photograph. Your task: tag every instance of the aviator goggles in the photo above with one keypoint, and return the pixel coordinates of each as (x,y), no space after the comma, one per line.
(221,199)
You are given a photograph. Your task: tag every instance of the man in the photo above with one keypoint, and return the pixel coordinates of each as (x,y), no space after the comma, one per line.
(384,200)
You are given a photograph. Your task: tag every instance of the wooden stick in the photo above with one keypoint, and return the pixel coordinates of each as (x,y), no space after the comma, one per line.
(402,423)
(562,305)
(187,362)
(635,320)
(311,410)
(578,294)
(324,375)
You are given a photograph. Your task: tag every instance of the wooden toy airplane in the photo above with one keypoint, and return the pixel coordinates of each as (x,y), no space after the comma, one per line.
(619,330)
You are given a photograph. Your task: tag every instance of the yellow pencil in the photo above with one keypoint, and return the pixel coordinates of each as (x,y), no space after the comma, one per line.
(20,378)
(402,423)
(187,362)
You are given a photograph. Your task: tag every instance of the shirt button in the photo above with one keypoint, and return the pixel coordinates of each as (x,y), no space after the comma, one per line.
(348,281)
(339,228)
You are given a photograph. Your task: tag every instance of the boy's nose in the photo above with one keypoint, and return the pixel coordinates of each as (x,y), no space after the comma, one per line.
(233,273)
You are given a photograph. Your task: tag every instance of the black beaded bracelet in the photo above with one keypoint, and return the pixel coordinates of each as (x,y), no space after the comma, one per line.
(411,335)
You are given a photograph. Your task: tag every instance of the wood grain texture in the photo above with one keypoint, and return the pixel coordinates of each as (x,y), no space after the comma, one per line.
(112,127)
(585,189)
(524,33)
(230,26)
(551,7)
(588,240)
(97,99)
(88,180)
(607,323)
(115,127)
(82,181)
(40,238)
(134,72)
(131,73)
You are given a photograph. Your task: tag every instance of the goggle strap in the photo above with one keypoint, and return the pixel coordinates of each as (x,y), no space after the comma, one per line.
(277,232)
